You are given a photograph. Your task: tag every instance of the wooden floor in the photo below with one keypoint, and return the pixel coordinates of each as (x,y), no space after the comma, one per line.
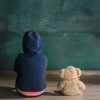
(7,91)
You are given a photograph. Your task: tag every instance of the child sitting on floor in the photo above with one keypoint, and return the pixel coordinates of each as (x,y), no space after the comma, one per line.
(30,66)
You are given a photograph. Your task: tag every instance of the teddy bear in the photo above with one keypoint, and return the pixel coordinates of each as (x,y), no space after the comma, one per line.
(70,83)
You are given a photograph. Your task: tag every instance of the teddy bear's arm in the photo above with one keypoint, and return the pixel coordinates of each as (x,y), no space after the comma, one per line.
(81,85)
(60,85)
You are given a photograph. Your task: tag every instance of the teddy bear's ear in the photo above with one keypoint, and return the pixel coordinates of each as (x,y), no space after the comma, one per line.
(62,73)
(78,71)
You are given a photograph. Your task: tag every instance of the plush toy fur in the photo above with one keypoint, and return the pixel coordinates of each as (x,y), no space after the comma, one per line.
(70,84)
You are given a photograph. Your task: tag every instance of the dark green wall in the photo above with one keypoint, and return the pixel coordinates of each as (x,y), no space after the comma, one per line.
(70,30)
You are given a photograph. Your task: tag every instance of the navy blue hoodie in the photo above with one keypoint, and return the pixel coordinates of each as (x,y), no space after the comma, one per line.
(31,65)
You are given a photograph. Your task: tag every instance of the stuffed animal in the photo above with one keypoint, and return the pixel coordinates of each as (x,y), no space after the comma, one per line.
(70,84)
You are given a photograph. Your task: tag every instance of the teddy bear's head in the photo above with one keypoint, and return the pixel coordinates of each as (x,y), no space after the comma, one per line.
(70,72)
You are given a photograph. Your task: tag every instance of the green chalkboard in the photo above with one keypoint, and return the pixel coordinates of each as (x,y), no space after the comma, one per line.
(70,30)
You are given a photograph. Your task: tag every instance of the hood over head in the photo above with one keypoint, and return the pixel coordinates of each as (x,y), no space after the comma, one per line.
(31,42)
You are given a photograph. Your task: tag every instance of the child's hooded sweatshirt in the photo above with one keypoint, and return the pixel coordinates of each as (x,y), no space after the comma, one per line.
(31,65)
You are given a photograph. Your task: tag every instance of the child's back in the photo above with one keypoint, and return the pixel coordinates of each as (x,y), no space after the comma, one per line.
(31,66)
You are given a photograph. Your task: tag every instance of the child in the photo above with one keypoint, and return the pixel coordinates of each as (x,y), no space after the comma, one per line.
(31,66)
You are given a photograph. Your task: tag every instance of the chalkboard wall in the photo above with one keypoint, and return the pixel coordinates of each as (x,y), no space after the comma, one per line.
(70,30)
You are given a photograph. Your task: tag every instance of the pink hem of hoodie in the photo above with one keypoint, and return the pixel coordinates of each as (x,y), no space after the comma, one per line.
(30,93)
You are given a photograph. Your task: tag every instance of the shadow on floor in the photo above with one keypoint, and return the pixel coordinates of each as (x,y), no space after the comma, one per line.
(8,93)
(55,93)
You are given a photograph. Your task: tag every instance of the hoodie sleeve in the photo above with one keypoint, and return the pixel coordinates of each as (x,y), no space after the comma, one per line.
(16,65)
